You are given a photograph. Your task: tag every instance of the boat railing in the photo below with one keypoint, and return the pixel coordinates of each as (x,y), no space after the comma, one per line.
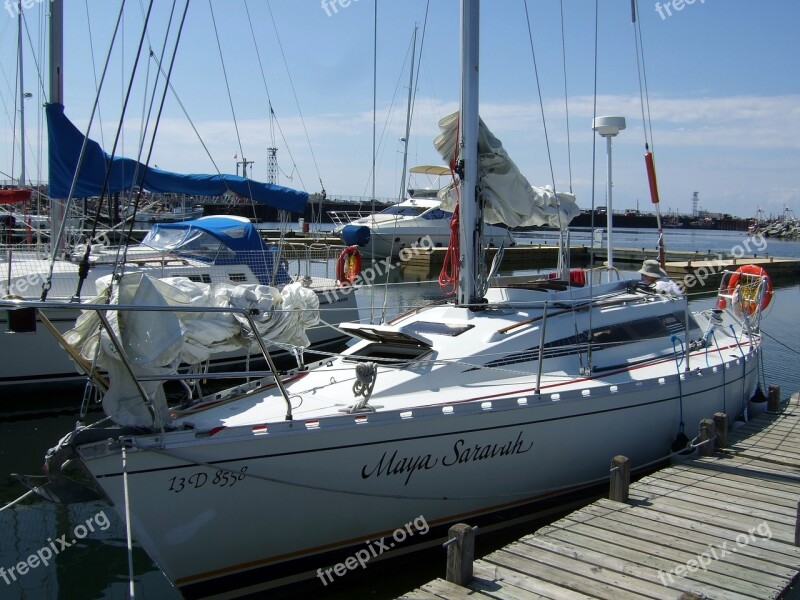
(340,218)
(27,266)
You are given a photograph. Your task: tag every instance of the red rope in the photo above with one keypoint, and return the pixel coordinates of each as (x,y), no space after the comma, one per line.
(448,277)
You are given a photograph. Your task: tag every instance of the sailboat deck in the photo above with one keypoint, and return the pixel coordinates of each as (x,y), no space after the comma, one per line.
(715,527)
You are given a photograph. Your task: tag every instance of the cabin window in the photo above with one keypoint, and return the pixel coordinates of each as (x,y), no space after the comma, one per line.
(237,277)
(437,214)
(197,278)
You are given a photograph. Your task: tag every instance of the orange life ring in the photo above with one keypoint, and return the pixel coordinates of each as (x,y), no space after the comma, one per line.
(744,285)
(348,265)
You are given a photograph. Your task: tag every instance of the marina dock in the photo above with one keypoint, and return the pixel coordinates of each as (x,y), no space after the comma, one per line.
(717,526)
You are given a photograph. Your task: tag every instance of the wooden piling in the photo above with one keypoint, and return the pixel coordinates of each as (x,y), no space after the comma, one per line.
(460,554)
(620,479)
(797,526)
(721,427)
(774,398)
(707,432)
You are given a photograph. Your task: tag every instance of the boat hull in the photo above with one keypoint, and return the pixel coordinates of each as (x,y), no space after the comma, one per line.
(256,495)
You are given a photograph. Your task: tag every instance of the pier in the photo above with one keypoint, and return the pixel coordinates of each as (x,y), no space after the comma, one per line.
(679,264)
(721,525)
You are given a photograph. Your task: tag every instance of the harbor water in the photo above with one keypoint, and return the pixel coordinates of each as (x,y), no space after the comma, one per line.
(82,547)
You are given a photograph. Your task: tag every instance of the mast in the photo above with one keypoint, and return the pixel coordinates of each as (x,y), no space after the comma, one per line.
(408,115)
(469,211)
(21,100)
(57,97)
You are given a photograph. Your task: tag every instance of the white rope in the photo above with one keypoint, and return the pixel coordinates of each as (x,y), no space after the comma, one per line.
(18,500)
(131,590)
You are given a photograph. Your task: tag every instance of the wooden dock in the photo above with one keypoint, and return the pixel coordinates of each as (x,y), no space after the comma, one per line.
(704,268)
(722,526)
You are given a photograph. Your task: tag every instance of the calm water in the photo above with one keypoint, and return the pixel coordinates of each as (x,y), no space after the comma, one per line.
(96,567)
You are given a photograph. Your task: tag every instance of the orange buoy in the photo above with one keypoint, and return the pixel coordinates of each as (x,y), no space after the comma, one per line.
(348,265)
(748,279)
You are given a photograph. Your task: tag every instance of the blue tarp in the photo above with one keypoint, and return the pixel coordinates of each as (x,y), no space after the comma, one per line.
(65,142)
(236,233)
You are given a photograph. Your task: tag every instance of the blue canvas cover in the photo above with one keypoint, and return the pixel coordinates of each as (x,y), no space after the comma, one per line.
(65,142)
(235,233)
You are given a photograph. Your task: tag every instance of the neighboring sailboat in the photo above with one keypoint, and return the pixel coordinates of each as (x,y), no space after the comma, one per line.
(502,400)
(219,250)
(20,192)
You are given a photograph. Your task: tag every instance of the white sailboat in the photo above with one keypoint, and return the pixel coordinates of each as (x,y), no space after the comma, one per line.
(503,399)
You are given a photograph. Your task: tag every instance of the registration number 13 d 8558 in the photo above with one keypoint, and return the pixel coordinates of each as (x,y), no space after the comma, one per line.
(220,478)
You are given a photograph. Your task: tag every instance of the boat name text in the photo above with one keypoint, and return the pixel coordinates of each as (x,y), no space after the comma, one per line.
(394,464)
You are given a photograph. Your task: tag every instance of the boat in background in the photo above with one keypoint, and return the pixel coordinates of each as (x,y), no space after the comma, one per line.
(406,224)
(210,251)
(162,210)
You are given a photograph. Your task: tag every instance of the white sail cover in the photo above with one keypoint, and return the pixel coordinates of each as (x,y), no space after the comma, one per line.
(157,342)
(507,196)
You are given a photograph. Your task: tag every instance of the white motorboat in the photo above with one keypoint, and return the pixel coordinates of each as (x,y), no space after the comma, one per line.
(505,398)
(406,224)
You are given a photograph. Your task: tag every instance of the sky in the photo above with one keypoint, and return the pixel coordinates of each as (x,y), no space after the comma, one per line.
(722,80)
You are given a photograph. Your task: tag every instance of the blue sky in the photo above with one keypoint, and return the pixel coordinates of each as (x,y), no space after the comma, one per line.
(723,80)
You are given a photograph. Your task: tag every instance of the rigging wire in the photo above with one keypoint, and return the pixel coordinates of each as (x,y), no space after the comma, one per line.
(594,183)
(186,114)
(94,67)
(59,236)
(647,123)
(83,269)
(419,60)
(294,93)
(273,119)
(563,257)
(374,125)
(122,249)
(230,96)
(566,96)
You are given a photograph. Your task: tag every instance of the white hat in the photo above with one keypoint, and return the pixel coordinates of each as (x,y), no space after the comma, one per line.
(652,268)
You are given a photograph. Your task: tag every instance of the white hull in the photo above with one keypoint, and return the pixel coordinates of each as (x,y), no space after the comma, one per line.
(361,473)
(386,241)
(459,431)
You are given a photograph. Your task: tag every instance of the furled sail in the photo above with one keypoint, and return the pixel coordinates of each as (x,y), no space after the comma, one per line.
(157,342)
(508,197)
(65,143)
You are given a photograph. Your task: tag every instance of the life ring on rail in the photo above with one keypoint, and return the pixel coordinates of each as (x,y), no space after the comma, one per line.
(348,265)
(744,286)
